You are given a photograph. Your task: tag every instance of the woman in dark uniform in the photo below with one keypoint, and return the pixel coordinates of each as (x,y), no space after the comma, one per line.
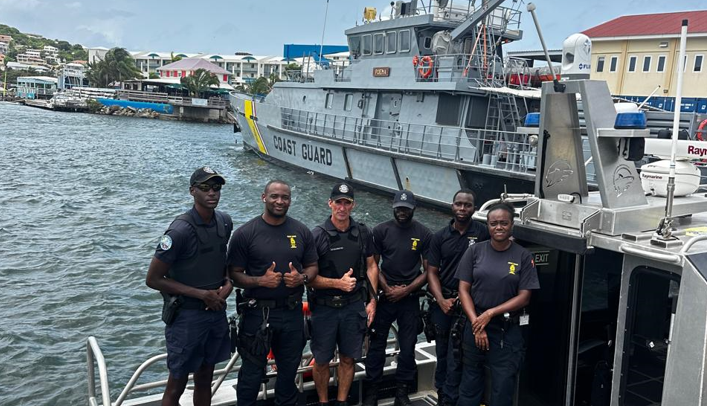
(496,278)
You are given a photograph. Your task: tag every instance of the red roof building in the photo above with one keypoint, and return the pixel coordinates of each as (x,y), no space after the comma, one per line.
(661,24)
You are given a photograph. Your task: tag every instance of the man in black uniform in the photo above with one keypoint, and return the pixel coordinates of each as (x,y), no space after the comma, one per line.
(189,269)
(340,314)
(403,244)
(447,247)
(496,279)
(272,256)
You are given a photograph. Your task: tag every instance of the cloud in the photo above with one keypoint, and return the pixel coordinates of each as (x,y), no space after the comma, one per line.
(14,5)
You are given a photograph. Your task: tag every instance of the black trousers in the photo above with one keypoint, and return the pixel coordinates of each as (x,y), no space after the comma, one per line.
(406,311)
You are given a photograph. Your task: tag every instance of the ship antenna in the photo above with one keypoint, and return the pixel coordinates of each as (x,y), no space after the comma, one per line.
(665,226)
(321,46)
(559,87)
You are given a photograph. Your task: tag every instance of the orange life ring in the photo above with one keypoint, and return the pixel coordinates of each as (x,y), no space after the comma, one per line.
(415,60)
(700,133)
(426,67)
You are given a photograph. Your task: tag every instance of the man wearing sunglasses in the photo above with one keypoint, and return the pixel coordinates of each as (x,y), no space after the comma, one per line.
(189,269)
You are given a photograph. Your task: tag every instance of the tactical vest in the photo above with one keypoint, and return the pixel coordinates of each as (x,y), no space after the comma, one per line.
(346,250)
(206,269)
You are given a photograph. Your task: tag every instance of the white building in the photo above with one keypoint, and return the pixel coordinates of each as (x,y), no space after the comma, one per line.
(51,51)
(3,47)
(96,54)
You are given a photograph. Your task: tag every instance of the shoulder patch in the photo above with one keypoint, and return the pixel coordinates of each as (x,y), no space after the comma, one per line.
(165,242)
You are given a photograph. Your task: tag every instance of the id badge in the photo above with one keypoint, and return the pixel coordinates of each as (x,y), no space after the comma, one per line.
(524,319)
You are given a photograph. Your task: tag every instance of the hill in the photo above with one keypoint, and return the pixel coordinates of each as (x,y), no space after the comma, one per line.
(20,41)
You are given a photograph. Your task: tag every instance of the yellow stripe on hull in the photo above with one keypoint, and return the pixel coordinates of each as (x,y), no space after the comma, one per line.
(249,114)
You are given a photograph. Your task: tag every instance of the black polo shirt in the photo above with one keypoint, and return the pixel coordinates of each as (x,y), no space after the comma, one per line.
(448,246)
(256,244)
(401,248)
(497,276)
(181,241)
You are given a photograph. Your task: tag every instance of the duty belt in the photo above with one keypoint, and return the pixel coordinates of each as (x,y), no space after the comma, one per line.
(449,293)
(290,302)
(338,301)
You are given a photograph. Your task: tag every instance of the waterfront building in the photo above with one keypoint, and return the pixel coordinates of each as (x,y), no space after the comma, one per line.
(72,75)
(635,54)
(187,67)
(36,87)
(149,62)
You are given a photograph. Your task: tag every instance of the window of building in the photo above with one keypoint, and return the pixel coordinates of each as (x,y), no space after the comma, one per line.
(698,63)
(329,101)
(367,44)
(600,64)
(647,63)
(632,64)
(661,64)
(378,43)
(613,63)
(391,41)
(404,40)
(348,102)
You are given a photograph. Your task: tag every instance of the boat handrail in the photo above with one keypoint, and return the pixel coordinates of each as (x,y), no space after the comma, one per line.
(513,150)
(657,256)
(94,353)
(691,242)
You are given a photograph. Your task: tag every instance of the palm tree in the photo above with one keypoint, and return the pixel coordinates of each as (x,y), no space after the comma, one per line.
(199,82)
(118,65)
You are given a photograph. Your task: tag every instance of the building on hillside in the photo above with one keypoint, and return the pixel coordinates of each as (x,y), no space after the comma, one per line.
(23,66)
(4,46)
(29,59)
(96,54)
(635,54)
(51,51)
(5,38)
(36,87)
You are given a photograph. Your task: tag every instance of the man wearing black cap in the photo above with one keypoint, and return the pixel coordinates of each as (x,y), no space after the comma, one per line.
(340,315)
(402,243)
(272,256)
(189,269)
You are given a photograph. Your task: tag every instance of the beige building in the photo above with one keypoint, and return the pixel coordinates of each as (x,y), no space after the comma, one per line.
(635,54)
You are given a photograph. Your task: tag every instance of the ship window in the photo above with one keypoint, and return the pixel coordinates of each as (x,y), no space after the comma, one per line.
(661,64)
(378,43)
(348,102)
(404,40)
(698,63)
(355,46)
(329,102)
(391,40)
(427,42)
(600,64)
(647,63)
(632,64)
(367,46)
(613,63)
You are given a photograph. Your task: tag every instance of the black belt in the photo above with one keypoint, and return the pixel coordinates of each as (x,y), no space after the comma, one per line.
(338,301)
(449,293)
(290,302)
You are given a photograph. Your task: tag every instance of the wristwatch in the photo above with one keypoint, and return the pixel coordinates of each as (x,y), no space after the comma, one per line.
(305,278)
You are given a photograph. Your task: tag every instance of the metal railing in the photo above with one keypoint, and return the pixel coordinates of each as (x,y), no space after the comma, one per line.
(156,97)
(499,149)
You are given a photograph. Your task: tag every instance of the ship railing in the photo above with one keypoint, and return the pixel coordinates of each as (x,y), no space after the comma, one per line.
(95,359)
(496,149)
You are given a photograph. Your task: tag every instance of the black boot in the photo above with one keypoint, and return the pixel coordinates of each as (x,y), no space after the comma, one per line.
(342,403)
(370,398)
(401,395)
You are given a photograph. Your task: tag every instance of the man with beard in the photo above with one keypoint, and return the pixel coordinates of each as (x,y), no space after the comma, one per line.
(340,314)
(189,269)
(272,256)
(447,247)
(402,243)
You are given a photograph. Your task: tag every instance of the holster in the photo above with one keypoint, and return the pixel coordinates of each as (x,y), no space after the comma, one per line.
(456,334)
(256,346)
(170,307)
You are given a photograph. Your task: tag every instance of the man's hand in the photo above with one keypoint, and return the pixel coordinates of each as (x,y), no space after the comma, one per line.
(371,312)
(212,300)
(482,340)
(395,293)
(270,279)
(447,305)
(293,278)
(347,282)
(481,321)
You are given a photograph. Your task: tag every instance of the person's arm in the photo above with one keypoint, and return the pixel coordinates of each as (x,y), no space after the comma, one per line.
(372,272)
(511,305)
(347,283)
(157,279)
(270,279)
(435,287)
(480,337)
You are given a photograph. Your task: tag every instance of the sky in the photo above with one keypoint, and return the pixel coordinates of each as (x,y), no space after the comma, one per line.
(262,27)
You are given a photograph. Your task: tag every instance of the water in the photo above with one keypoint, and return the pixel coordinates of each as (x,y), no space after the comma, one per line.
(83,201)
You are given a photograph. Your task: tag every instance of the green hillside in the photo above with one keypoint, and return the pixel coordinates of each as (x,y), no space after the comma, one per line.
(67,51)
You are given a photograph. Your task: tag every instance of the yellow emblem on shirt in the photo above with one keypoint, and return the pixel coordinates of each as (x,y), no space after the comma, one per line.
(512,268)
(415,241)
(293,242)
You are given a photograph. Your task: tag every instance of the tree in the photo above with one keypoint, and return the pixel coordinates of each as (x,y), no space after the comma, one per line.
(153,75)
(259,86)
(198,83)
(174,58)
(118,65)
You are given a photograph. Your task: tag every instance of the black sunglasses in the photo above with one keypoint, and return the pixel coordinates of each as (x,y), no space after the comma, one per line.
(205,187)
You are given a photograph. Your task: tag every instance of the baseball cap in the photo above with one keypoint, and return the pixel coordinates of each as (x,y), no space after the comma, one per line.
(404,198)
(203,174)
(342,191)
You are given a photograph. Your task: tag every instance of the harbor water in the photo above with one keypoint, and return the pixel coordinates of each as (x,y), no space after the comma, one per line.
(83,201)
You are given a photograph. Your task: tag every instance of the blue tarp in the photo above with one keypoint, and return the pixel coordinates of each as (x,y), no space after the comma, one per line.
(158,107)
